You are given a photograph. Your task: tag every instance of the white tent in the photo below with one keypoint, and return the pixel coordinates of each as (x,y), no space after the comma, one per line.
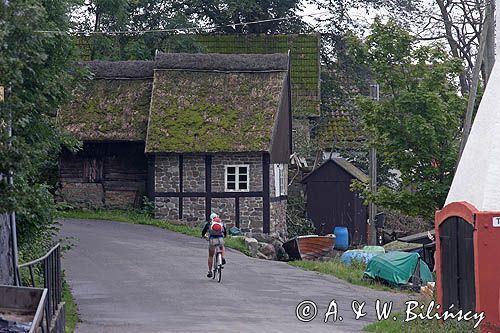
(477,179)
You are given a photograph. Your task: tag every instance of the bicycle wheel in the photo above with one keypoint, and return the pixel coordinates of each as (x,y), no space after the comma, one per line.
(219,265)
(214,265)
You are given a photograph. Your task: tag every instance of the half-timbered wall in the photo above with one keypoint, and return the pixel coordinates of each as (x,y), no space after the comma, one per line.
(190,187)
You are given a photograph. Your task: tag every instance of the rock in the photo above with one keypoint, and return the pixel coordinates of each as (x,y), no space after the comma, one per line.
(263,256)
(252,244)
(264,238)
(277,242)
(281,253)
(267,250)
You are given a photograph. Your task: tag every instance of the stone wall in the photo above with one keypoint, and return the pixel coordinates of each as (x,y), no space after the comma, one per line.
(167,173)
(225,208)
(82,195)
(251,214)
(193,209)
(193,176)
(278,219)
(219,161)
(167,208)
(121,199)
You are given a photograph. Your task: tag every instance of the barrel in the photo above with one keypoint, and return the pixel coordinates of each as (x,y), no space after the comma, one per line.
(341,238)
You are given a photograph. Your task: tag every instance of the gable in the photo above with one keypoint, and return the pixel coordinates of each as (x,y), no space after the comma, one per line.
(336,169)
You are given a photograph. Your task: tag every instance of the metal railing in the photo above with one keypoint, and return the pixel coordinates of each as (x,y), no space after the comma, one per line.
(50,265)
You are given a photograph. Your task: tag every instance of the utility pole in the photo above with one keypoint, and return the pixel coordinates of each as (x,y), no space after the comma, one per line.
(7,269)
(372,208)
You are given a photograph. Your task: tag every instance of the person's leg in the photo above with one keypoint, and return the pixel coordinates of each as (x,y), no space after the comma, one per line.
(211,251)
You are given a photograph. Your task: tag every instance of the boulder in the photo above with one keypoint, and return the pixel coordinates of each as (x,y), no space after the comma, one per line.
(267,250)
(252,244)
(263,256)
(264,238)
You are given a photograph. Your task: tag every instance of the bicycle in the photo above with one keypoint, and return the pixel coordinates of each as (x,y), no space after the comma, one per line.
(217,265)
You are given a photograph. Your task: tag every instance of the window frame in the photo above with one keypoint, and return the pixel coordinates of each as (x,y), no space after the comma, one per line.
(236,177)
(279,180)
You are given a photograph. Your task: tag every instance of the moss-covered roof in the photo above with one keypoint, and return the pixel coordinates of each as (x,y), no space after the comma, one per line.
(213,111)
(133,69)
(305,61)
(108,109)
(222,62)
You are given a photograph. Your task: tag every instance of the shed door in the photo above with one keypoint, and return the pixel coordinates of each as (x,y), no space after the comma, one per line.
(457,264)
(330,205)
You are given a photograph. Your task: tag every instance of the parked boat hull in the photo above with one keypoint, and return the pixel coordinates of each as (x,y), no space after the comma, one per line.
(309,247)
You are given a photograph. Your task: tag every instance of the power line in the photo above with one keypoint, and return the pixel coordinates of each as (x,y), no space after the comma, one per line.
(187,29)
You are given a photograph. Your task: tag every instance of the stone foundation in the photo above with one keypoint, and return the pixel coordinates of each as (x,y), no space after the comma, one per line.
(82,195)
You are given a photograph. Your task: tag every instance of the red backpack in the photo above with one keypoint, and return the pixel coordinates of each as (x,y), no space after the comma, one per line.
(216,227)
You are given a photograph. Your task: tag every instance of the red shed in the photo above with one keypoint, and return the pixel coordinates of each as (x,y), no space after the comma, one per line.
(467,261)
(468,227)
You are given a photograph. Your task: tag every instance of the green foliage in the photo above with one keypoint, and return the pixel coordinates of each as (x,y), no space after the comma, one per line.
(417,326)
(226,13)
(71,318)
(148,206)
(416,124)
(296,223)
(33,69)
(352,274)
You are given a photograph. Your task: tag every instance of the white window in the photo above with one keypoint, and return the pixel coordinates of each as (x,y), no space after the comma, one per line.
(280,182)
(237,178)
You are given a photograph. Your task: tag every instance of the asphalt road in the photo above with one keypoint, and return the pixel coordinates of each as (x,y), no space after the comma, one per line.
(135,278)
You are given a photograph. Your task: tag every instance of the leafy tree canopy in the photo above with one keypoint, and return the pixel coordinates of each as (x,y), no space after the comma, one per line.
(34,71)
(416,124)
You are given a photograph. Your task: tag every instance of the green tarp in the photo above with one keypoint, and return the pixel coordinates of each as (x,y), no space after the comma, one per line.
(397,268)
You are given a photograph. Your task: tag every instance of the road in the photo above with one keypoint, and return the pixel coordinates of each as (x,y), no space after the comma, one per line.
(135,278)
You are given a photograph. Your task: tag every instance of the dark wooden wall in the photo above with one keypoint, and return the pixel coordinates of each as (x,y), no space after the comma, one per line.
(330,202)
(118,170)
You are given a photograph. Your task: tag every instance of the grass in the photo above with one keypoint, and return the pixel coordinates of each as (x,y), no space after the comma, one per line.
(419,326)
(71,309)
(137,217)
(352,274)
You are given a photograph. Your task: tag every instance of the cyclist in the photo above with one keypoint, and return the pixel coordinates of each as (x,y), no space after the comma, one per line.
(217,231)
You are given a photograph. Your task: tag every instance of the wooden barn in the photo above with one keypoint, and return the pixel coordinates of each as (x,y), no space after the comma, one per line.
(109,114)
(330,202)
(195,132)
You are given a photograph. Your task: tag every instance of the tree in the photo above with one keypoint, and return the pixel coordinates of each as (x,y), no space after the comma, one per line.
(107,17)
(34,68)
(416,125)
(230,14)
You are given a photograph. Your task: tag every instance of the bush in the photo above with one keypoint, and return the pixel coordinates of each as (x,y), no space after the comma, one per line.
(296,222)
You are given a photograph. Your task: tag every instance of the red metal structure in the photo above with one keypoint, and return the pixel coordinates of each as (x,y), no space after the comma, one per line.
(468,261)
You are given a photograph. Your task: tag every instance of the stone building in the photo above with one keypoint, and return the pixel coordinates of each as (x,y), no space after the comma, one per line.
(196,132)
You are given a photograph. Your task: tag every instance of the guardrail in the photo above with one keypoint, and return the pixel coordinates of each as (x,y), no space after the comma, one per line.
(50,264)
